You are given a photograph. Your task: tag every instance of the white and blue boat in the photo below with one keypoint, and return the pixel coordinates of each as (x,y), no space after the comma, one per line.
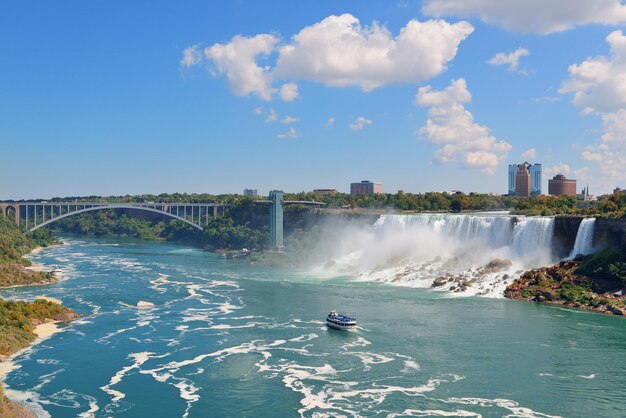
(340,322)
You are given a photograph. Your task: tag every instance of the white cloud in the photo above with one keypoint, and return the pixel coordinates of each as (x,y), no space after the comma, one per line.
(287,120)
(451,127)
(359,123)
(529,154)
(339,52)
(191,56)
(238,61)
(511,59)
(545,99)
(330,122)
(258,110)
(272,116)
(291,133)
(561,168)
(599,83)
(599,87)
(537,16)
(289,92)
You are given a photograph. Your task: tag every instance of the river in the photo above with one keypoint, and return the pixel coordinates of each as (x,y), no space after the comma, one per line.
(226,338)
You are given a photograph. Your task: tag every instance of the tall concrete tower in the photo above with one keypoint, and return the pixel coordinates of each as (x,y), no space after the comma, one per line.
(276,220)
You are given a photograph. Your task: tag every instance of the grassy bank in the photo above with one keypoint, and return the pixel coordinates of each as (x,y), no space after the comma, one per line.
(19,319)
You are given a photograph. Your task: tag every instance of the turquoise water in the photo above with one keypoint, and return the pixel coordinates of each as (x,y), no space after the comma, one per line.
(226,338)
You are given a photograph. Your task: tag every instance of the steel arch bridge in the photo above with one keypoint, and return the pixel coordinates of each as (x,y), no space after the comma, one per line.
(34,215)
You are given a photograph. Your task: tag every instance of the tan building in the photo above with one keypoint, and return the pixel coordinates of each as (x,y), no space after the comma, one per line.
(522,181)
(561,186)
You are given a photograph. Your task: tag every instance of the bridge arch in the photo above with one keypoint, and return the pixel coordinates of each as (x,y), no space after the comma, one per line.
(113,206)
(11,208)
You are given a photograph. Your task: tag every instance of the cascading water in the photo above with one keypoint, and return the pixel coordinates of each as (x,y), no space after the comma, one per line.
(470,254)
(584,238)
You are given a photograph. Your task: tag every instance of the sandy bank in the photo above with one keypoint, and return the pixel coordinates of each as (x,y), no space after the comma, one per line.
(43,332)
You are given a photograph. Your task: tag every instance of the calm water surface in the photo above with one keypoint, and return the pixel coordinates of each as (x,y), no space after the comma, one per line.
(226,338)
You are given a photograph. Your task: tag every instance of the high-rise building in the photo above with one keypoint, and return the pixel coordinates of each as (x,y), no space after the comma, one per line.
(522,180)
(561,186)
(250,192)
(366,187)
(535,177)
(512,171)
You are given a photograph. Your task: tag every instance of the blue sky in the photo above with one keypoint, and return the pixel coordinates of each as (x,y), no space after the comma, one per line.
(100,98)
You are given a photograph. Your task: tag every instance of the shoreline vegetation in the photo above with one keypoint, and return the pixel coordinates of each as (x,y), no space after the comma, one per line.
(23,324)
(596,282)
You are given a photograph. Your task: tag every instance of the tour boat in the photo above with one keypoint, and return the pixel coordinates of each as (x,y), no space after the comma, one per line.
(340,322)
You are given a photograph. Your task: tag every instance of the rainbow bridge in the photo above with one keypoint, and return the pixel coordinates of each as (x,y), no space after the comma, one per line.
(34,215)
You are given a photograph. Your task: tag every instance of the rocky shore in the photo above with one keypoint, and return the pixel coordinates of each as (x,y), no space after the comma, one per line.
(563,284)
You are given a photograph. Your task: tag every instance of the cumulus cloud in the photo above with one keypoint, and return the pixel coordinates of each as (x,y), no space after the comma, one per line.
(288,120)
(191,56)
(511,59)
(599,83)
(291,133)
(536,16)
(598,86)
(238,61)
(289,92)
(337,52)
(360,123)
(529,154)
(452,128)
(272,116)
(330,122)
(258,110)
(561,168)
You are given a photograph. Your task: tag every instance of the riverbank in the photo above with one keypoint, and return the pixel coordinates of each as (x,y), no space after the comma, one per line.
(23,325)
(593,283)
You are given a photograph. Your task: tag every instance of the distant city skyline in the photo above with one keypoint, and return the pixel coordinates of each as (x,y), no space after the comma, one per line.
(420,96)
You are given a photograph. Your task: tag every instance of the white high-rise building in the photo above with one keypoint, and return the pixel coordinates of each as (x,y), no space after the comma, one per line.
(512,171)
(535,178)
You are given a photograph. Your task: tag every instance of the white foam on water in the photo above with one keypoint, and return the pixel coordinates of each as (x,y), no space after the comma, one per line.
(513,407)
(188,392)
(139,359)
(29,399)
(359,342)
(434,413)
(410,365)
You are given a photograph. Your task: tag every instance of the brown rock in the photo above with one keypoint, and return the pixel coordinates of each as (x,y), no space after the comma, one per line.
(64,317)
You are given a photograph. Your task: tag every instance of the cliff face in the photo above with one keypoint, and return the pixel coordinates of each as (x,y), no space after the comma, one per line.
(607,232)
(565,230)
(610,232)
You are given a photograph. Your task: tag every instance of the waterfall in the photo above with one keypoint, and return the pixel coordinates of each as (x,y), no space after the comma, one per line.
(524,235)
(584,238)
(469,253)
(532,235)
